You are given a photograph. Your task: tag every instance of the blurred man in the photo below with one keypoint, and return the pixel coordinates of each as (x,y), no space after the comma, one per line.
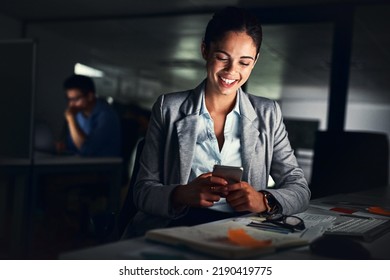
(93,127)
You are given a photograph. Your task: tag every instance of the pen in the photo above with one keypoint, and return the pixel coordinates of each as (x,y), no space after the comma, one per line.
(269,228)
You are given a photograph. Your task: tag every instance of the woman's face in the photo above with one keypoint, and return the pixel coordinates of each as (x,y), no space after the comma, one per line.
(229,62)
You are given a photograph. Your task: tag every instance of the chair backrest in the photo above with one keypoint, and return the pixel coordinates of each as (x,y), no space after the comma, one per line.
(128,210)
(348,162)
(129,134)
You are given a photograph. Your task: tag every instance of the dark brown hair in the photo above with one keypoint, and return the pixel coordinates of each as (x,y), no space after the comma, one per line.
(233,19)
(83,83)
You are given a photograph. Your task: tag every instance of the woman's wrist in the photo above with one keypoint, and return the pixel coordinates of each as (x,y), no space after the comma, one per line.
(270,202)
(177,197)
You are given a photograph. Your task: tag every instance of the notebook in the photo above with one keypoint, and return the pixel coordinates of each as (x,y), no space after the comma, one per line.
(216,239)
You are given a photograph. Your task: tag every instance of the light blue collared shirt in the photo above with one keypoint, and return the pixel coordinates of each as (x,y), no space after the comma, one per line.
(207,152)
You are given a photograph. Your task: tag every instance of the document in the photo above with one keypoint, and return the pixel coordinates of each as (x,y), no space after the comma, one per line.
(227,240)
(360,209)
(316,225)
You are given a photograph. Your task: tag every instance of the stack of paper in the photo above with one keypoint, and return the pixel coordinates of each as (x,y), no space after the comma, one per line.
(228,240)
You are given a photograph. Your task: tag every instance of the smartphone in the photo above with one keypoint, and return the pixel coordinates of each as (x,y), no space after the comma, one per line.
(232,174)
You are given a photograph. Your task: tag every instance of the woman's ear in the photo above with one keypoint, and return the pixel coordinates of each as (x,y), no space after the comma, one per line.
(203,49)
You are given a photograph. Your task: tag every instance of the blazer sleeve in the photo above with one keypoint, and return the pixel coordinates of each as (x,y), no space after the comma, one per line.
(150,194)
(291,189)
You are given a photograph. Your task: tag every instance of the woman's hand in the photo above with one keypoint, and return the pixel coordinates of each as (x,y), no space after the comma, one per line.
(203,191)
(243,197)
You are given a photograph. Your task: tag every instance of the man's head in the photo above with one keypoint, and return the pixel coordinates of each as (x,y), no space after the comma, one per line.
(80,93)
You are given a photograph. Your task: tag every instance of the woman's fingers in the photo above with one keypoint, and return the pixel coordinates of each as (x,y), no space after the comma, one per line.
(238,186)
(243,197)
(218,189)
(205,190)
(208,178)
(217,181)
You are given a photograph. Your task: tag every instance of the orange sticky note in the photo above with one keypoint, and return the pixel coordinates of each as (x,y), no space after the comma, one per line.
(378,210)
(240,237)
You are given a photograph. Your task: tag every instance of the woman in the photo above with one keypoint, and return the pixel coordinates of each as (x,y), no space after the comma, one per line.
(217,123)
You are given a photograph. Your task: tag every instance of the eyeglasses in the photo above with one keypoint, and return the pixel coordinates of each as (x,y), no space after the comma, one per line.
(74,99)
(293,223)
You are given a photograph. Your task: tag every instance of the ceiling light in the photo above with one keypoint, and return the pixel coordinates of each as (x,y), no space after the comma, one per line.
(85,70)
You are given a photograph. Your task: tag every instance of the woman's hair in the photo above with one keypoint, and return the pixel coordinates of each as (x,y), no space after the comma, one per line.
(233,19)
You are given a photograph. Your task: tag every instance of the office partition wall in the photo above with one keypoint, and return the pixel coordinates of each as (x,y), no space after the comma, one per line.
(17,59)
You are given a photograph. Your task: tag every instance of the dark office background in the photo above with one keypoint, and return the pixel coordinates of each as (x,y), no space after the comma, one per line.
(327,62)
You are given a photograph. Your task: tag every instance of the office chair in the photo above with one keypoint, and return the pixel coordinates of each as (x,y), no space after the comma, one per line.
(348,162)
(129,134)
(128,210)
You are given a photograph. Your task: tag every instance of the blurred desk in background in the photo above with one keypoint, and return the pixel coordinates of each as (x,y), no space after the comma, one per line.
(60,165)
(16,173)
(67,191)
(26,176)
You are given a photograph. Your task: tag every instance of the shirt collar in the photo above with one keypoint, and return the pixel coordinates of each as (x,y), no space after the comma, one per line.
(95,110)
(203,108)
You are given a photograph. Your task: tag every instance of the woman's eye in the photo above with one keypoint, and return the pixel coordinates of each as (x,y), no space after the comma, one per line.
(244,63)
(222,58)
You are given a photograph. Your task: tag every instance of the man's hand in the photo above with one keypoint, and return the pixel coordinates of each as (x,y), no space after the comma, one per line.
(77,135)
(70,113)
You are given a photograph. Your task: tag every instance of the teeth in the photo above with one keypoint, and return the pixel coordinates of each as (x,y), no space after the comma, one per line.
(227,80)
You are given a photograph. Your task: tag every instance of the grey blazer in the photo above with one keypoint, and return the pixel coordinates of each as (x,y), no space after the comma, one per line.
(169,150)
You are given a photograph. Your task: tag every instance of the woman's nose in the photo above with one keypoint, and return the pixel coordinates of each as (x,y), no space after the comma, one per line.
(231,67)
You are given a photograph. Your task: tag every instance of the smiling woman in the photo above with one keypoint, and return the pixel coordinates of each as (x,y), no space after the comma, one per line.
(229,67)
(217,123)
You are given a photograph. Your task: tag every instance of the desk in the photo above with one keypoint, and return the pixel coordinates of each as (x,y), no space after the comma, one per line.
(27,174)
(45,164)
(48,164)
(20,171)
(139,248)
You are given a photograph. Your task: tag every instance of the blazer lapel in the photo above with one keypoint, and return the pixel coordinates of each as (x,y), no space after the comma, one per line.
(249,134)
(187,132)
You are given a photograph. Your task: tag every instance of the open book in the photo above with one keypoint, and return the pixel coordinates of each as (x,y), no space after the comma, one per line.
(215,239)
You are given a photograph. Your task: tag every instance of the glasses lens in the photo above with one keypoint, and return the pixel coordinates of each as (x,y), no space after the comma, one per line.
(292,221)
(296,222)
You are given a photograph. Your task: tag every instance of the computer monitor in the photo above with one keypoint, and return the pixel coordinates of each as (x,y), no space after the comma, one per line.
(302,132)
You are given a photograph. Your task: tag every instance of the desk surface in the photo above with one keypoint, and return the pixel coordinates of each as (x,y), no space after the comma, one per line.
(10,162)
(139,248)
(49,159)
(27,173)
